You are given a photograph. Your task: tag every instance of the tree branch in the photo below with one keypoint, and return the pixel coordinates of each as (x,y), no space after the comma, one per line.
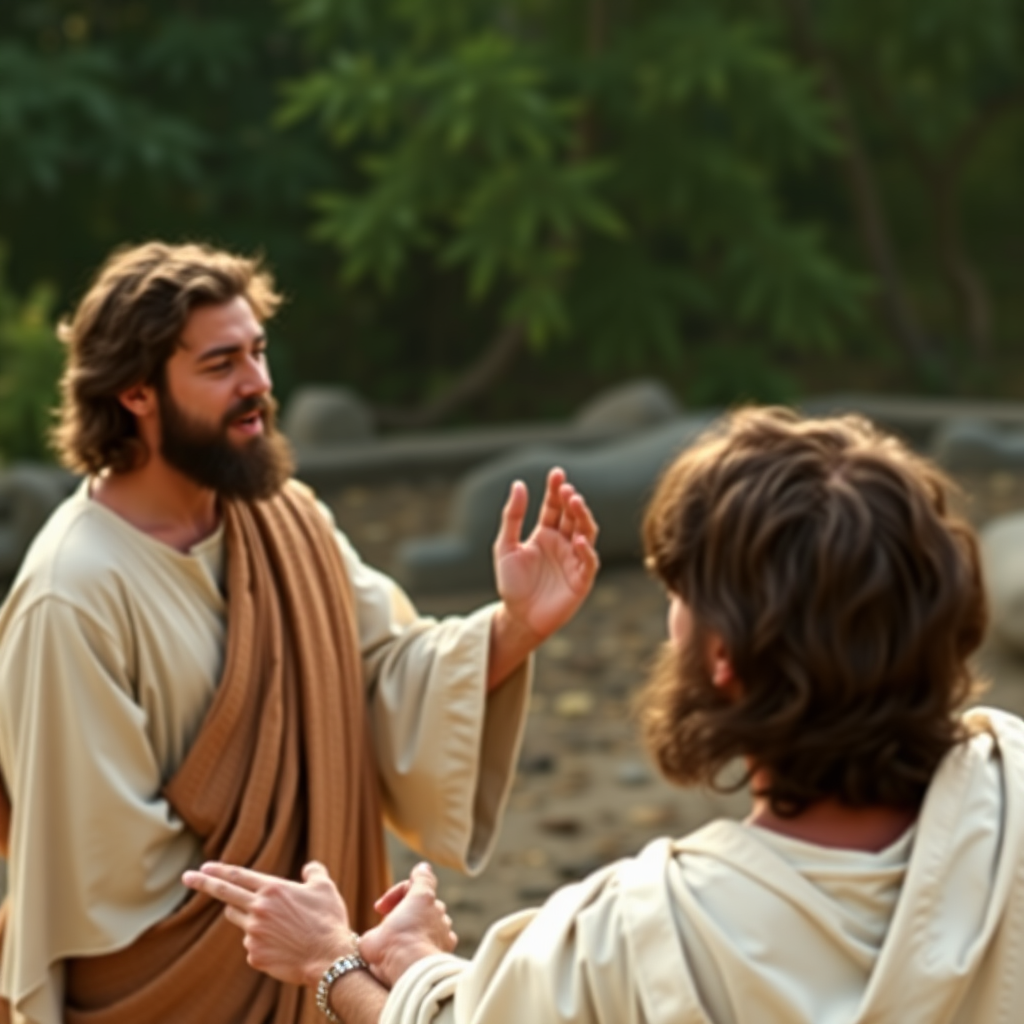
(478,378)
(864,194)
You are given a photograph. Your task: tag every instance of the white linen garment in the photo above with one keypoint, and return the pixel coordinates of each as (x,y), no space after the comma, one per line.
(736,925)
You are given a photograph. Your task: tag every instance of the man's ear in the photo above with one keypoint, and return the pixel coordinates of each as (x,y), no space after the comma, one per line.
(139,400)
(723,675)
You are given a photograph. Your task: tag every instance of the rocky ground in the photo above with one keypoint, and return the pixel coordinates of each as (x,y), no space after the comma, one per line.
(585,793)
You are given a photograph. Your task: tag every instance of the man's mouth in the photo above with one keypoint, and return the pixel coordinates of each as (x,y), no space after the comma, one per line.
(250,423)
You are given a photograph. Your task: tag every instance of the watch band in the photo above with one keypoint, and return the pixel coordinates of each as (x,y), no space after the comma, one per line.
(344,964)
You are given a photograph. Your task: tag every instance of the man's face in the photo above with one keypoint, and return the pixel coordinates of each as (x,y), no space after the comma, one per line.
(216,411)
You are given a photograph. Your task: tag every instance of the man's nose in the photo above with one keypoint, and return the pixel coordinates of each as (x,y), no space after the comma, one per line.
(257,377)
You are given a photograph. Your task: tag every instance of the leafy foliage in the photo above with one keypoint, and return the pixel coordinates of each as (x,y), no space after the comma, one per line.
(30,363)
(623,192)
(722,192)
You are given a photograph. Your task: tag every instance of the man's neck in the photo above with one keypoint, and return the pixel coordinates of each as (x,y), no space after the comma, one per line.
(831,823)
(161,502)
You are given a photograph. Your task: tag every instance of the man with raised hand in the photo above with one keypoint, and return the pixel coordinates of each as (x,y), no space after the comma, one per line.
(195,663)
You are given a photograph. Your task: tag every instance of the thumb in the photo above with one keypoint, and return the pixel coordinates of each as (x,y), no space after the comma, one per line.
(314,871)
(422,877)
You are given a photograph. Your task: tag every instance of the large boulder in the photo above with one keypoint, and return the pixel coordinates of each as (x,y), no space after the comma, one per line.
(1002,548)
(616,479)
(320,416)
(635,405)
(974,446)
(28,494)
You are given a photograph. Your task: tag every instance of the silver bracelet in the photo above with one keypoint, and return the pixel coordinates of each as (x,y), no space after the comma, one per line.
(344,964)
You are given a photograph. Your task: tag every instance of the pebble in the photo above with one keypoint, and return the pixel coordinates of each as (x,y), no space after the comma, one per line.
(531,895)
(648,815)
(633,773)
(561,826)
(558,647)
(580,869)
(537,764)
(535,857)
(574,704)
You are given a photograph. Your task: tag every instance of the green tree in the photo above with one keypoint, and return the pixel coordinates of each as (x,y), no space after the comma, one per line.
(122,120)
(929,108)
(30,362)
(613,176)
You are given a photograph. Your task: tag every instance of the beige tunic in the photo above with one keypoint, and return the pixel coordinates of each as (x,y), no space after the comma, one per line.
(735,925)
(111,648)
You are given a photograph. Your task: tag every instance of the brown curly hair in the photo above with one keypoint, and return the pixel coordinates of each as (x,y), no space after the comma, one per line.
(126,328)
(825,556)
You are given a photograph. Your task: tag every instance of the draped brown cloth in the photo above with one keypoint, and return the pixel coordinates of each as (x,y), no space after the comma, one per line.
(282,772)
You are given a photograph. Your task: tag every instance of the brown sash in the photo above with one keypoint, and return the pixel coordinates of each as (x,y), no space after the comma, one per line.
(282,772)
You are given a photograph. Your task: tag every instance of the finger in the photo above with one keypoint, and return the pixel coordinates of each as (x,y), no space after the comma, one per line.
(512,515)
(551,509)
(389,900)
(236,917)
(243,878)
(585,523)
(567,520)
(587,559)
(453,941)
(314,871)
(422,878)
(226,892)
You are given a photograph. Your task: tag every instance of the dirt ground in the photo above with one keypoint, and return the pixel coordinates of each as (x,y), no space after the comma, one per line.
(585,793)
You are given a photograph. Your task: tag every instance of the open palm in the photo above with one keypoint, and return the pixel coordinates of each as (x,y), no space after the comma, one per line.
(545,579)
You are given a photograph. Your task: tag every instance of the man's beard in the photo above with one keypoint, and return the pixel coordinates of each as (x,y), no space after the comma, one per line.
(251,471)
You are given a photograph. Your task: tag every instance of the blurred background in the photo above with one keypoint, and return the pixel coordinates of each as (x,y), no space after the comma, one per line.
(487,209)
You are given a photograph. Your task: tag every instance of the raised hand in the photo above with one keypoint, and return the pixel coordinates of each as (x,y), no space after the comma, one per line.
(416,924)
(544,580)
(293,931)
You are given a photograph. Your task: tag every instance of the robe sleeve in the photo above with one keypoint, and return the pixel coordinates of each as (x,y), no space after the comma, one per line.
(570,961)
(76,757)
(446,749)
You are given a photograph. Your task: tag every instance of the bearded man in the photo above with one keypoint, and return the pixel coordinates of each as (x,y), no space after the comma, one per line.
(195,663)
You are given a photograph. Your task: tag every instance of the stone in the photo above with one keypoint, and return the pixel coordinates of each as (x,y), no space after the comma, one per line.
(533,894)
(578,870)
(574,704)
(650,815)
(636,405)
(561,826)
(29,492)
(319,416)
(1002,552)
(537,764)
(633,773)
(974,446)
(616,480)
(558,647)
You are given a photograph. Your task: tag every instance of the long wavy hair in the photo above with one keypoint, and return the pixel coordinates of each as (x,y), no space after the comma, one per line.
(849,597)
(126,328)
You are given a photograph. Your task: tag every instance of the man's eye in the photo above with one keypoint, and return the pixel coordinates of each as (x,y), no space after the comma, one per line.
(218,367)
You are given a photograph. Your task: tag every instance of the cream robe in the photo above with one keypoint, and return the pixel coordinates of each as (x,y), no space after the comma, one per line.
(111,648)
(735,925)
